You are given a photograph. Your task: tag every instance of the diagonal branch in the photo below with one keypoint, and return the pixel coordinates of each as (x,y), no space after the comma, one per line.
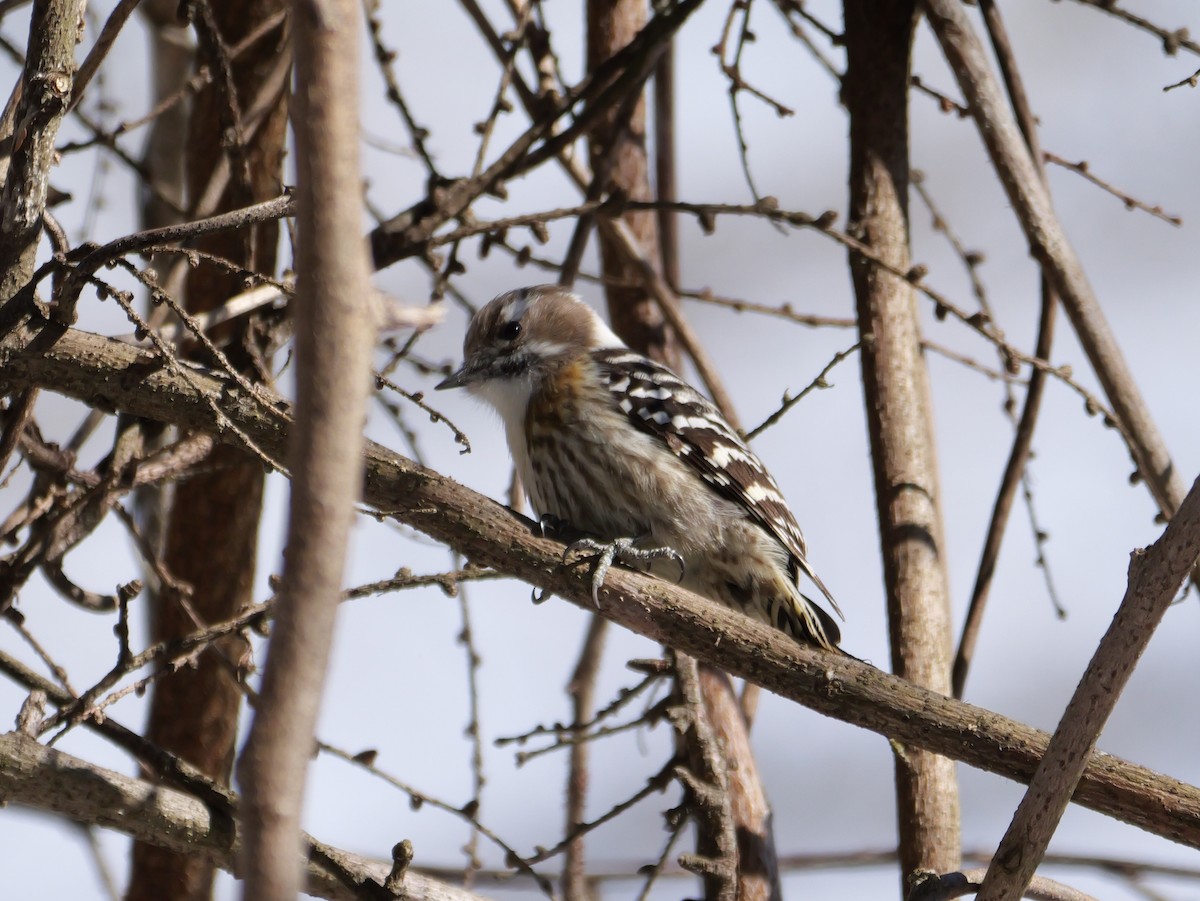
(1018,455)
(1051,248)
(35,352)
(1155,575)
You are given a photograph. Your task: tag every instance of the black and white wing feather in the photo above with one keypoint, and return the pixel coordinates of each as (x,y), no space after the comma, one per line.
(659,402)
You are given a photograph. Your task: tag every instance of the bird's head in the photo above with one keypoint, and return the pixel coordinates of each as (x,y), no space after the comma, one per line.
(523,336)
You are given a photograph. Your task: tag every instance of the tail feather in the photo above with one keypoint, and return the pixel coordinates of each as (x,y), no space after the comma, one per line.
(804,567)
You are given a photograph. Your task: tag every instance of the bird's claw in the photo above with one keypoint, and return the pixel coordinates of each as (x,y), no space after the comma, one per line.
(548,523)
(622,550)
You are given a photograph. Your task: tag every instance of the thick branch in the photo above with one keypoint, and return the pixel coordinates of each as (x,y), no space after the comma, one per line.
(1155,575)
(899,412)
(44,779)
(109,374)
(46,88)
(620,163)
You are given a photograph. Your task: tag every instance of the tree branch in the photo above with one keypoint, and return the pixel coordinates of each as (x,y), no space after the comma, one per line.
(899,412)
(1051,248)
(335,335)
(45,779)
(46,88)
(1155,575)
(36,352)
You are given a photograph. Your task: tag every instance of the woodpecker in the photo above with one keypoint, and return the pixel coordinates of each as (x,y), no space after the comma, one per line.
(622,449)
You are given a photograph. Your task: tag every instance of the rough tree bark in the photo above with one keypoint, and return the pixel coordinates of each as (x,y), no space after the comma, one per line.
(211,537)
(1155,576)
(28,151)
(899,414)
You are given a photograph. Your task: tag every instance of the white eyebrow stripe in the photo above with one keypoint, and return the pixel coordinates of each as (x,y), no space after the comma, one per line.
(543,348)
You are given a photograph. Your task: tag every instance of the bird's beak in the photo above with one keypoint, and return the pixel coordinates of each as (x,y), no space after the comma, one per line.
(465,376)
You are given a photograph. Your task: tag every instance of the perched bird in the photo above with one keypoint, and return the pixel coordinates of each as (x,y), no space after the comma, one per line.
(622,449)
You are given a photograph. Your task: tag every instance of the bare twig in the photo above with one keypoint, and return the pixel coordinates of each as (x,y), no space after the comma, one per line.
(366,761)
(1015,469)
(88,259)
(733,73)
(384,59)
(1172,41)
(108,35)
(790,401)
(466,637)
(1131,203)
(1191,81)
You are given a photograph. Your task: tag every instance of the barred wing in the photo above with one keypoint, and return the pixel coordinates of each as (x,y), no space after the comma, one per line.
(659,402)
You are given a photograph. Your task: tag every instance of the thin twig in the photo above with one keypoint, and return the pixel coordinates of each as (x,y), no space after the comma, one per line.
(1131,203)
(1015,471)
(789,402)
(1172,41)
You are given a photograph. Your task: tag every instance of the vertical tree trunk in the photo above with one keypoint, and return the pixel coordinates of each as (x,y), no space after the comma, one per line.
(899,414)
(210,540)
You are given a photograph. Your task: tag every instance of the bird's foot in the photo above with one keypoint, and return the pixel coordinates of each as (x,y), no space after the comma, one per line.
(622,550)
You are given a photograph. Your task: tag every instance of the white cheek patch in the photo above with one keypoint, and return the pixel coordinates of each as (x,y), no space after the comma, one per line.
(509,397)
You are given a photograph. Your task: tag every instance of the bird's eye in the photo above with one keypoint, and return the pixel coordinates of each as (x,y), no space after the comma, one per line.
(510,330)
